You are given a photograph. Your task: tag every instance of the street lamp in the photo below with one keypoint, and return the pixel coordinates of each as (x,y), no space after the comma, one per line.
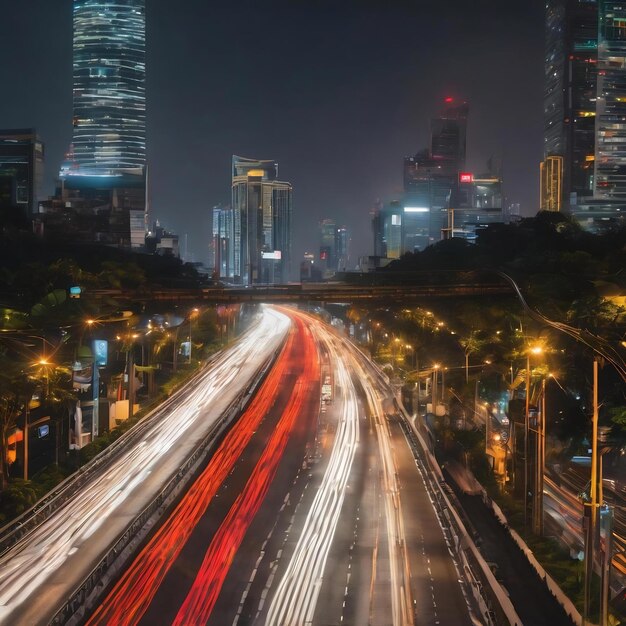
(535,350)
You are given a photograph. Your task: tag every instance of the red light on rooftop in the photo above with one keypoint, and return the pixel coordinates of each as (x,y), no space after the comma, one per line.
(448,99)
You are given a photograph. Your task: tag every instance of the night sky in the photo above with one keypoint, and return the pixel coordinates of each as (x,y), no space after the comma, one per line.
(338,92)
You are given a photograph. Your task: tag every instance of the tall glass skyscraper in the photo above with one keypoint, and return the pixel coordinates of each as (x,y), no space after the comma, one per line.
(109,87)
(585,111)
(610,157)
(104,177)
(570,92)
(261,222)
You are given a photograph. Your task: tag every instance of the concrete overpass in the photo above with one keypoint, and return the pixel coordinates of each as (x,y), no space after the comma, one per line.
(315,292)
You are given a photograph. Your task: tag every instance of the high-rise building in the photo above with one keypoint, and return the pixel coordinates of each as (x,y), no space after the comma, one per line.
(328,246)
(102,195)
(334,247)
(262,208)
(551,184)
(387,223)
(570,93)
(223,235)
(431,178)
(448,134)
(585,109)
(479,203)
(109,86)
(342,248)
(21,170)
(610,155)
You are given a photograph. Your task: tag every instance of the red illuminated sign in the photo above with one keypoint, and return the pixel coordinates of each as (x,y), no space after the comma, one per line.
(466,177)
(448,99)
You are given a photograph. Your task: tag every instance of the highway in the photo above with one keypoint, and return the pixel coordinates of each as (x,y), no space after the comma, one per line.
(39,573)
(309,512)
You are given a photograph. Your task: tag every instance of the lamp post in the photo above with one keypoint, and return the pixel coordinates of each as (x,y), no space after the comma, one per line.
(540,465)
(533,350)
(592,509)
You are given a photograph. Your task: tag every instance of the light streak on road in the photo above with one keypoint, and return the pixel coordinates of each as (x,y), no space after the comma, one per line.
(69,543)
(201,599)
(401,597)
(127,602)
(296,596)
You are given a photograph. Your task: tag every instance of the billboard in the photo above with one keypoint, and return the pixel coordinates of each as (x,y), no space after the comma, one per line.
(276,255)
(100,352)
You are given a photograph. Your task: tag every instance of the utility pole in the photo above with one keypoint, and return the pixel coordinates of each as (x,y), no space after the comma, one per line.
(540,459)
(591,509)
(526,434)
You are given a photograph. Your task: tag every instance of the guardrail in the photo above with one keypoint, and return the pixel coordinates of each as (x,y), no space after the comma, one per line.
(18,528)
(495,606)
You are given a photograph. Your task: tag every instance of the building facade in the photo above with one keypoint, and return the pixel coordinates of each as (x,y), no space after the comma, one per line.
(342,247)
(328,246)
(431,178)
(262,207)
(610,153)
(570,92)
(102,193)
(21,170)
(585,111)
(109,94)
(551,183)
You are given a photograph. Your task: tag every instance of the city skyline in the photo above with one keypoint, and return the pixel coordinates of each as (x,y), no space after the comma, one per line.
(347,114)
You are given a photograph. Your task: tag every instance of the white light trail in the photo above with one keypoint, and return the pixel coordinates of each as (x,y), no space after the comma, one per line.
(296,596)
(400,591)
(62,547)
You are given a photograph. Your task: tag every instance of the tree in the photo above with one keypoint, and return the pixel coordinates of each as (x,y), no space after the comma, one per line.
(470,343)
(16,389)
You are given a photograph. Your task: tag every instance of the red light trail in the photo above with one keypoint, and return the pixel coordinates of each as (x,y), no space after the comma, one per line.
(133,593)
(197,607)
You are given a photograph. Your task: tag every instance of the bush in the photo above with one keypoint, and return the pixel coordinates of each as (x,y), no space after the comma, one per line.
(17,498)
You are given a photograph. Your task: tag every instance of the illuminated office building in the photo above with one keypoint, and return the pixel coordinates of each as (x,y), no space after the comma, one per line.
(551,184)
(262,208)
(431,178)
(479,203)
(328,246)
(610,156)
(585,109)
(342,248)
(221,247)
(387,228)
(109,86)
(102,193)
(570,94)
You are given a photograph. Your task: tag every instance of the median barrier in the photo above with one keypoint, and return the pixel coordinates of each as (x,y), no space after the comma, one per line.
(117,556)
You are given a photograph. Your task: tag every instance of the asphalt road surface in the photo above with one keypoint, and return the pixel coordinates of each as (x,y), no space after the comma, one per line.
(311,511)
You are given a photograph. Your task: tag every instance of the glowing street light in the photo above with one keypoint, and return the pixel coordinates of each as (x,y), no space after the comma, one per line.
(534,350)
